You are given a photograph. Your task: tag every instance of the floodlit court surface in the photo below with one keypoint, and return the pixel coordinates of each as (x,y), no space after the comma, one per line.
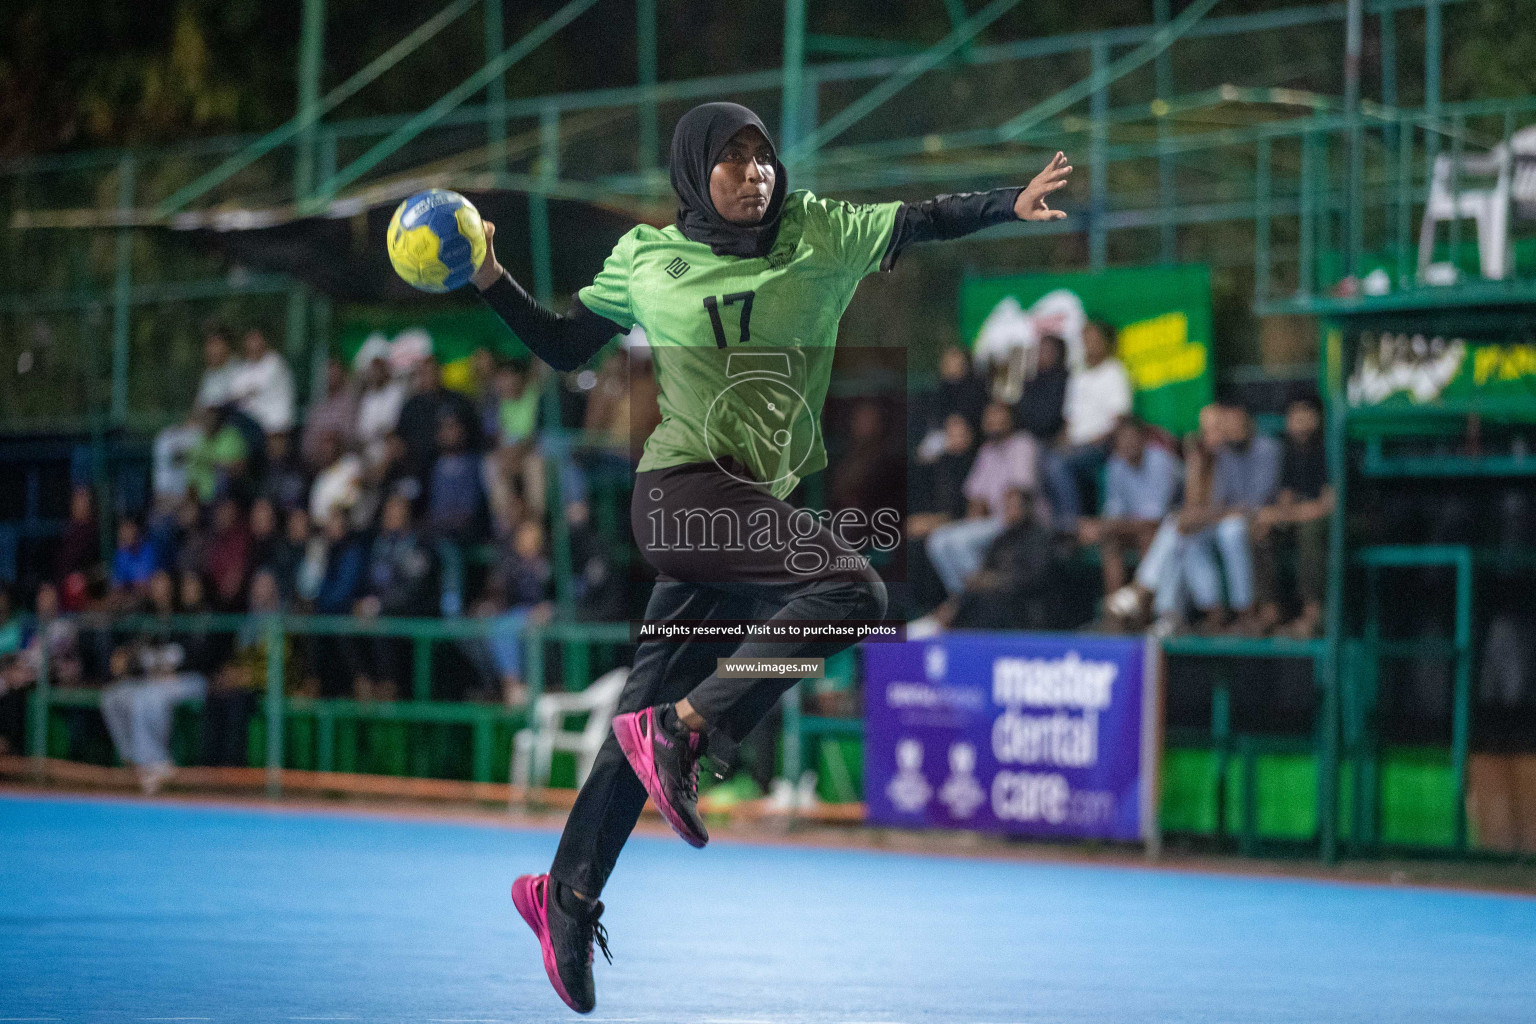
(118,911)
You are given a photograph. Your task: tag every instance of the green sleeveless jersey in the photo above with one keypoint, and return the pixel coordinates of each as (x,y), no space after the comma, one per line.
(743,348)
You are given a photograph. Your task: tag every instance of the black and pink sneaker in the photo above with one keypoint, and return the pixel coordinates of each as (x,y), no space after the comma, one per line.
(566,939)
(668,766)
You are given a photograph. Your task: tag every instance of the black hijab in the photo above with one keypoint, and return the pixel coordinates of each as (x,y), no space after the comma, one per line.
(697,142)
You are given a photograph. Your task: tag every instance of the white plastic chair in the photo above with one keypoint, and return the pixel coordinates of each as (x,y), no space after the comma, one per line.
(534,748)
(1508,187)
(1488,206)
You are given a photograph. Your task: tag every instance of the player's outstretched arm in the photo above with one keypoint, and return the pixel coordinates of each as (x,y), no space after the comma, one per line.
(564,342)
(959,214)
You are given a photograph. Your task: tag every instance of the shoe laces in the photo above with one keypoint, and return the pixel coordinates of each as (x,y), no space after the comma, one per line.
(599,939)
(691,769)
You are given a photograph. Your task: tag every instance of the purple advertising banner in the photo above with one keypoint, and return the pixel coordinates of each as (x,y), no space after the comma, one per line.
(1029,734)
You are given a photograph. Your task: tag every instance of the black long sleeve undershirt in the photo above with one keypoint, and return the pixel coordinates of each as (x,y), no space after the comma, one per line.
(948,216)
(565,342)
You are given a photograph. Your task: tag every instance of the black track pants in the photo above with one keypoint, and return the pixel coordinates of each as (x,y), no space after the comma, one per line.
(700,580)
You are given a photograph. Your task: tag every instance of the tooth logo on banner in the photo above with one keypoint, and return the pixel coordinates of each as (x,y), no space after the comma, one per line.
(961,792)
(935,663)
(909,790)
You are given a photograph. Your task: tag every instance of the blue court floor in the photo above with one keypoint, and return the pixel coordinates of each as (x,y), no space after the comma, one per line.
(117,911)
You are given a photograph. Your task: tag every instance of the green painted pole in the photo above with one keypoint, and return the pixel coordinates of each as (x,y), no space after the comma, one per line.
(1433,50)
(1355,215)
(311,53)
(275,670)
(1098,235)
(122,291)
(1168,231)
(539,240)
(1307,242)
(1333,613)
(1261,255)
(421,669)
(794,72)
(645,54)
(1461,710)
(495,90)
(1405,256)
(1388,29)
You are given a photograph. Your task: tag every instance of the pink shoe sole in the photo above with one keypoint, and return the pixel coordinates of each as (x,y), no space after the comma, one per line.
(635,732)
(530,894)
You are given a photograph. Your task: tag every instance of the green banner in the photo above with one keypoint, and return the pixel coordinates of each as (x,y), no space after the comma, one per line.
(1162,314)
(1480,364)
(452,332)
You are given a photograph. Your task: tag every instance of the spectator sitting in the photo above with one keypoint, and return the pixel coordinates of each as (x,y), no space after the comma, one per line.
(515,472)
(1141,484)
(54,636)
(225,458)
(378,412)
(228,555)
(1015,586)
(286,482)
(456,492)
(516,596)
(175,445)
(262,385)
(1298,517)
(338,484)
(871,471)
(239,685)
(219,366)
(138,709)
(960,390)
(204,649)
(80,545)
(133,564)
(511,407)
(1098,394)
(399,579)
(261,523)
(1039,409)
(1159,584)
(286,554)
(1006,460)
(182,543)
(940,483)
(336,413)
(1244,479)
(329,579)
(421,415)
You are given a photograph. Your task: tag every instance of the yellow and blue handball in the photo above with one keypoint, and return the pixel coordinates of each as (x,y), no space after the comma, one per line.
(436,240)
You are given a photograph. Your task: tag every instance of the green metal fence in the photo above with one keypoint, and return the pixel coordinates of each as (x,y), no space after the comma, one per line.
(582,645)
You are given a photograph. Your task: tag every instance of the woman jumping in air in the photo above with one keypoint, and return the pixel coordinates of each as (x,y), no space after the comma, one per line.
(740,301)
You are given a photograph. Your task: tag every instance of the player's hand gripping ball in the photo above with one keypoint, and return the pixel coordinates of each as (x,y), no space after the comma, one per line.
(436,241)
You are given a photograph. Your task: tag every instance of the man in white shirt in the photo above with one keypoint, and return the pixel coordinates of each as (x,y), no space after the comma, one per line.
(378,409)
(219,368)
(1098,395)
(262,385)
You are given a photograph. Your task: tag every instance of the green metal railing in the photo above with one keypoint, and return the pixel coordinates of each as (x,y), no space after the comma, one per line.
(577,642)
(301,162)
